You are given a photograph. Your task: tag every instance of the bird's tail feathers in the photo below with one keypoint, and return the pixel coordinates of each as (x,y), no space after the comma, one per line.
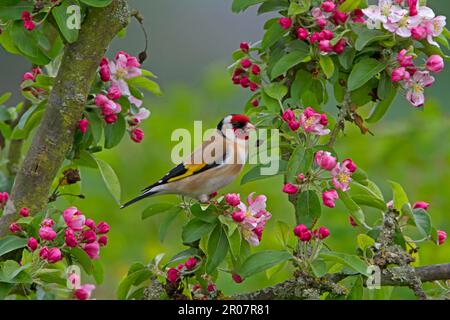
(142,196)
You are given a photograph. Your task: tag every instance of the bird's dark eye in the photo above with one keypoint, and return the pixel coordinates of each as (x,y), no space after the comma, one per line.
(239,124)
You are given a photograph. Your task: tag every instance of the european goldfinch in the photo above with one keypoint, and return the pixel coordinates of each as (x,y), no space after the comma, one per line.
(212,166)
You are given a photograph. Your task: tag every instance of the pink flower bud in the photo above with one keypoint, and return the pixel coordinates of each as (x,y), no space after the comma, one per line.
(173,275)
(114,93)
(92,250)
(442,236)
(89,236)
(236,278)
(245,47)
(103,228)
(327,34)
(329,197)
(246,63)
(323,233)
(24,212)
(211,287)
(339,47)
(289,188)
(25,15)
(233,199)
(29,25)
(48,222)
(315,37)
(302,34)
(70,237)
(325,46)
(83,125)
(103,240)
(137,135)
(4,196)
(352,221)
(301,228)
(84,292)
(301,177)
(419,33)
(54,255)
(28,76)
(328,6)
(256,70)
(339,17)
(238,216)
(288,115)
(306,236)
(399,74)
(105,73)
(253,86)
(294,125)
(321,23)
(404,59)
(101,100)
(255,102)
(191,263)
(47,233)
(421,205)
(350,165)
(285,23)
(325,160)
(74,218)
(90,223)
(43,253)
(32,244)
(413,7)
(244,82)
(111,118)
(435,63)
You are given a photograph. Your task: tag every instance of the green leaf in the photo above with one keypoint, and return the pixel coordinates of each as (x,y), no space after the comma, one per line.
(362,195)
(357,290)
(241,5)
(298,8)
(276,90)
(422,220)
(97,3)
(302,83)
(217,248)
(294,163)
(319,268)
(11,243)
(61,16)
(114,132)
(98,271)
(263,260)
(327,65)
(12,9)
(195,229)
(283,232)
(308,207)
(354,210)
(12,272)
(364,241)
(366,36)
(273,5)
(399,195)
(156,208)
(126,284)
(83,259)
(26,43)
(288,61)
(348,260)
(164,226)
(4,97)
(110,179)
(145,84)
(363,71)
(234,241)
(382,107)
(254,174)
(349,5)
(272,35)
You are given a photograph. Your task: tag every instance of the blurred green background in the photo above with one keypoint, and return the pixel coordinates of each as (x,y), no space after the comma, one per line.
(190,47)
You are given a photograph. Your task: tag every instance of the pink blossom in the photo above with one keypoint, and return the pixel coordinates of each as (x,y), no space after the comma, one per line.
(405,59)
(233,199)
(74,280)
(71,239)
(84,292)
(47,233)
(435,27)
(399,74)
(114,93)
(173,275)
(325,160)
(313,122)
(421,205)
(350,165)
(285,23)
(74,218)
(54,255)
(415,87)
(32,244)
(329,197)
(289,188)
(435,63)
(442,236)
(125,67)
(92,250)
(341,177)
(419,32)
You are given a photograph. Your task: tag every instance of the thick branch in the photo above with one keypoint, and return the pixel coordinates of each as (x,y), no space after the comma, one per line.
(66,103)
(290,288)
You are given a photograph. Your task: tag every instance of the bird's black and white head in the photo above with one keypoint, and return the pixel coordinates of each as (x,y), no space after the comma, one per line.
(236,127)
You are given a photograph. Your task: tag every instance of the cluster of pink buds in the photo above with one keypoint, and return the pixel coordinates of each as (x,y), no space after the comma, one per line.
(31,76)
(311,121)
(80,292)
(117,72)
(199,293)
(24,212)
(28,22)
(251,218)
(173,275)
(247,74)
(305,235)
(415,79)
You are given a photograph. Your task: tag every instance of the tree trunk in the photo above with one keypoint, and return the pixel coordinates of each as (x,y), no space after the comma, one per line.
(67,100)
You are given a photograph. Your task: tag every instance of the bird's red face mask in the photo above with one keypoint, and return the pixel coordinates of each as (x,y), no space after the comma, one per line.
(241,126)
